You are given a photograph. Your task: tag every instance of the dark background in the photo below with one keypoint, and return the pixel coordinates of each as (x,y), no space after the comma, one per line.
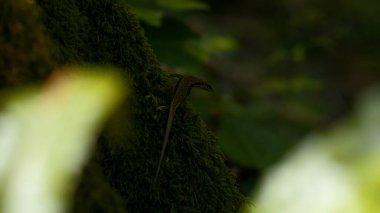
(280,69)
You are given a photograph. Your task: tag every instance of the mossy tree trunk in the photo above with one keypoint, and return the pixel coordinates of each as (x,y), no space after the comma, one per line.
(119,177)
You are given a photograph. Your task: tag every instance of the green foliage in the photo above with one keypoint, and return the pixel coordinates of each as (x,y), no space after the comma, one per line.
(181,5)
(331,171)
(256,136)
(171,43)
(302,61)
(291,86)
(152,11)
(257,133)
(46,135)
(148,11)
(178,46)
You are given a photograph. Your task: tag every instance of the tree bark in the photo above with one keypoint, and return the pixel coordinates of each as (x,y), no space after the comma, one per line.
(119,176)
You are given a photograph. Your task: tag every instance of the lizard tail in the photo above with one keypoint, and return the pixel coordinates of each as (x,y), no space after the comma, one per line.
(167,132)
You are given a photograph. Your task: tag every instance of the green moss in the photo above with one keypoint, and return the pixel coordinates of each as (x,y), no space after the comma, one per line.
(119,177)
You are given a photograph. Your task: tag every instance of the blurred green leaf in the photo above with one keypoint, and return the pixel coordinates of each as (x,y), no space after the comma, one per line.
(203,48)
(288,86)
(335,171)
(172,42)
(255,136)
(153,11)
(147,10)
(150,16)
(180,47)
(180,5)
(218,43)
(46,135)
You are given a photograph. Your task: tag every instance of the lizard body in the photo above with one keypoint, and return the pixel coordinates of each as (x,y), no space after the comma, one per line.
(182,90)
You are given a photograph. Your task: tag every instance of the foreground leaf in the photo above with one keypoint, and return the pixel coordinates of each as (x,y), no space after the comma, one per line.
(46,135)
(332,172)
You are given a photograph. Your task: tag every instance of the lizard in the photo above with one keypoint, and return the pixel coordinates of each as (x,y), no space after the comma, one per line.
(181,91)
